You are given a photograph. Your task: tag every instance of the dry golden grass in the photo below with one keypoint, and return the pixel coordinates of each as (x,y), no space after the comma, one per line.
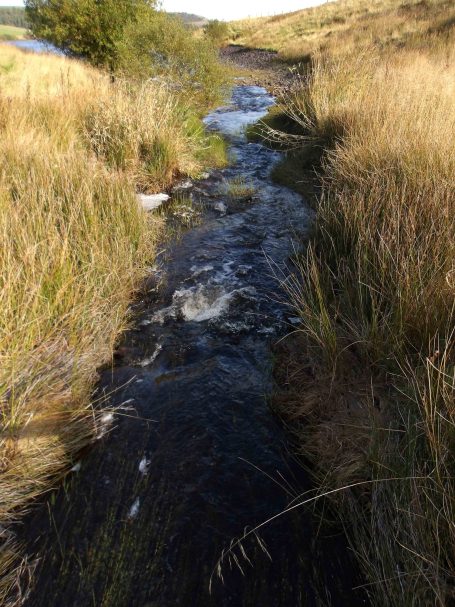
(376,295)
(343,25)
(74,244)
(372,379)
(389,123)
(24,74)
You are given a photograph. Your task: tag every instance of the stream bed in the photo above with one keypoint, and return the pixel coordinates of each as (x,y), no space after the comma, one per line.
(195,455)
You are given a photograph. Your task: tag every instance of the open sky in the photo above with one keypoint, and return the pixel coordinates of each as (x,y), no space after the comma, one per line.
(227,9)
(237,9)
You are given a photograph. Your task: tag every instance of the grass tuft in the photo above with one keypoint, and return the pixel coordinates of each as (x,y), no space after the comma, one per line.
(238,188)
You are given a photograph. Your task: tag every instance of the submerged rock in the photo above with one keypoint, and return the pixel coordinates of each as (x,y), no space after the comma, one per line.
(221,207)
(186,184)
(150,202)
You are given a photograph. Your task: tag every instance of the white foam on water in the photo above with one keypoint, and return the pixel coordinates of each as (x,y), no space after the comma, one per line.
(105,423)
(233,123)
(148,361)
(201,303)
(144,466)
(198,270)
(227,267)
(134,510)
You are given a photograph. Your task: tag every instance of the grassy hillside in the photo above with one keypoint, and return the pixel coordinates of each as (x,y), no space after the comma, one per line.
(369,377)
(346,23)
(75,244)
(190,19)
(10,32)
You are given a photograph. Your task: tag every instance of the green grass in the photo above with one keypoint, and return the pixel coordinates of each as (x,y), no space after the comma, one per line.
(214,153)
(238,188)
(10,32)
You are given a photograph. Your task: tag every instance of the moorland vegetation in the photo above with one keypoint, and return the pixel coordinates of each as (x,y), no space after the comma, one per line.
(368,377)
(81,135)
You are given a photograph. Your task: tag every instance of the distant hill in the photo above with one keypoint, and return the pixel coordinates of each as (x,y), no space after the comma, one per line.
(190,19)
(10,15)
(13,15)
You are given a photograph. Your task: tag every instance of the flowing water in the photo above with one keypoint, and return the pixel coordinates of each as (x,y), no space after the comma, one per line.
(36,46)
(196,455)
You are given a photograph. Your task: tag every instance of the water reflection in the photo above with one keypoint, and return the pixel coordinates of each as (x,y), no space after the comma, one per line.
(36,46)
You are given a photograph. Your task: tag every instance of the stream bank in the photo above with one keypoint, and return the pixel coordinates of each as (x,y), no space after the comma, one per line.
(195,455)
(257,66)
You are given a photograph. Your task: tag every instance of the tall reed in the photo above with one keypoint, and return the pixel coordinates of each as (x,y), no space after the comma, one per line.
(375,295)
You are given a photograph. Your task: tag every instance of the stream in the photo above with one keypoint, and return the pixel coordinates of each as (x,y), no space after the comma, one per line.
(195,456)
